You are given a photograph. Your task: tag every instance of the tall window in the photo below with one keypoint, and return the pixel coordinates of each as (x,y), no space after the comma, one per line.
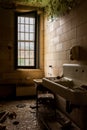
(26,35)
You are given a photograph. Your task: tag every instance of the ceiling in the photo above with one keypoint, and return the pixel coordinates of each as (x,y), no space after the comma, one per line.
(30,3)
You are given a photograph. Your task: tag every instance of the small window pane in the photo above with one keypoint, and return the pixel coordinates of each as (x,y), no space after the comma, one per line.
(27,54)
(19,54)
(19,27)
(31,54)
(22,19)
(19,61)
(26,36)
(31,46)
(26,28)
(31,62)
(26,20)
(22,45)
(32,20)
(22,36)
(22,28)
(26,45)
(19,45)
(31,36)
(22,61)
(19,19)
(19,36)
(22,54)
(31,28)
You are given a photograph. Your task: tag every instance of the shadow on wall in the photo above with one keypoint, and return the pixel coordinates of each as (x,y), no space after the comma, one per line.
(83,53)
(78,53)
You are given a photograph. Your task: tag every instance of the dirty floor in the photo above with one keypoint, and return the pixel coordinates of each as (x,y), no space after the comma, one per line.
(20,115)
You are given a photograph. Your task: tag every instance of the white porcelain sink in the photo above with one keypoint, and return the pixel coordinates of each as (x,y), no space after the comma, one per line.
(63,81)
(71,90)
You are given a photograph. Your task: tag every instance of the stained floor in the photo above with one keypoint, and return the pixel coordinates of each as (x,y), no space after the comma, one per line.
(20,115)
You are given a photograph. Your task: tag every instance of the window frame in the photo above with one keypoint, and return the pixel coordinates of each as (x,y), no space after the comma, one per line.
(36,46)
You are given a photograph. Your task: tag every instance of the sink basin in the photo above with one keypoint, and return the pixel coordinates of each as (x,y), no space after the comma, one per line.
(65,82)
(69,89)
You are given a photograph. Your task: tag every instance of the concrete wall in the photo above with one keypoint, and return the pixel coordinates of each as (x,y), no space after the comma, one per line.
(8,73)
(60,35)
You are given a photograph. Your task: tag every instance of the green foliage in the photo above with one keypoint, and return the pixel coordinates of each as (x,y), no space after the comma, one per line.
(60,7)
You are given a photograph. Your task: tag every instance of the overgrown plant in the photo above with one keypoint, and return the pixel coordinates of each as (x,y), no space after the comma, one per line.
(60,7)
(52,8)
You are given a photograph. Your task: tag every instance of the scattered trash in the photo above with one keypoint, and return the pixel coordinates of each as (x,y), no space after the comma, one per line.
(33,106)
(16,122)
(2,127)
(18,117)
(12,115)
(2,113)
(20,105)
(4,117)
(33,111)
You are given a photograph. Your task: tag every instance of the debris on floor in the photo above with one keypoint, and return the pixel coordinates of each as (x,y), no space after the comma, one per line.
(12,115)
(16,122)
(21,115)
(2,127)
(18,115)
(4,116)
(33,106)
(20,105)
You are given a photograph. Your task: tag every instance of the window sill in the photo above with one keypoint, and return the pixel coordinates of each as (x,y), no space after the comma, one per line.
(29,70)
